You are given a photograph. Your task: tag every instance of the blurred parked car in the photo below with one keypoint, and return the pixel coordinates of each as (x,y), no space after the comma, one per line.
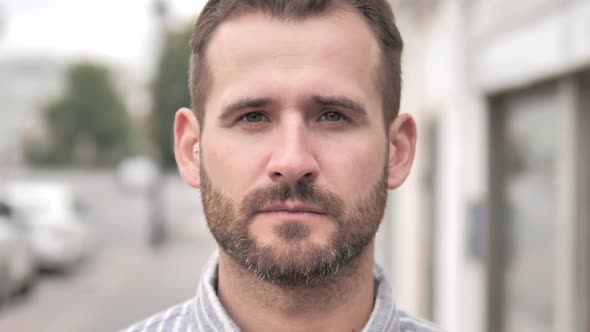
(59,236)
(5,241)
(18,254)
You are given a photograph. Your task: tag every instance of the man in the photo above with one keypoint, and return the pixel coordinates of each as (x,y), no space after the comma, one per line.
(294,139)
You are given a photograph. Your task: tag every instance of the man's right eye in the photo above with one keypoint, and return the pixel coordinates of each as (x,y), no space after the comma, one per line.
(253,117)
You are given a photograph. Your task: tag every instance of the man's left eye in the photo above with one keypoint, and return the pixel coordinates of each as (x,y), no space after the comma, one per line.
(332,116)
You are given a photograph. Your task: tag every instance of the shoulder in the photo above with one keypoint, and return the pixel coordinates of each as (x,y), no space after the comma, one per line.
(409,323)
(178,316)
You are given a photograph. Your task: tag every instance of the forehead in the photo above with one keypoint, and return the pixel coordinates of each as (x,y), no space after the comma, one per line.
(252,53)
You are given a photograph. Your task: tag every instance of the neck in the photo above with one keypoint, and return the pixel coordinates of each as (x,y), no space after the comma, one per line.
(344,303)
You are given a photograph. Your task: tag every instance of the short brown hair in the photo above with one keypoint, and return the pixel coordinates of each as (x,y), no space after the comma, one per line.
(377,14)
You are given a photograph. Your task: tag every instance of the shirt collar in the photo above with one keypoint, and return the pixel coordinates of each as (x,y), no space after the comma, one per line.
(210,314)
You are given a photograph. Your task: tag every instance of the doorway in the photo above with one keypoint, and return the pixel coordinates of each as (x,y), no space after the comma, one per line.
(522,244)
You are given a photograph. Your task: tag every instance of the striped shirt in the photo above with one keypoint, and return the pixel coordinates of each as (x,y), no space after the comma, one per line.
(204,312)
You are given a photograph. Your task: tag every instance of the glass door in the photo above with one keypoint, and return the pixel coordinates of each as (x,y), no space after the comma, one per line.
(522,243)
(582,314)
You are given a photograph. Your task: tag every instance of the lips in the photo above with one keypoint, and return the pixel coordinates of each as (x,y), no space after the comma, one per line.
(293,207)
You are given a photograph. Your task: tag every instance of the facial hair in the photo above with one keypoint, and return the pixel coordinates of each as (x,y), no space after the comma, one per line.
(293,262)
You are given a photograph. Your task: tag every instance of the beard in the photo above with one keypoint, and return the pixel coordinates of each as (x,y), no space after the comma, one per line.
(293,261)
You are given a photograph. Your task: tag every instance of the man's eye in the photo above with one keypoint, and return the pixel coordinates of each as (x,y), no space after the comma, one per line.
(253,117)
(332,116)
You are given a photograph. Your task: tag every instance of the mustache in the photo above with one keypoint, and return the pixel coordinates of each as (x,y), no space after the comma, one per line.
(302,191)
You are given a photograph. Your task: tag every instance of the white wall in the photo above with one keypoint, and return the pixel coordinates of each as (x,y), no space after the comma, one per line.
(456,55)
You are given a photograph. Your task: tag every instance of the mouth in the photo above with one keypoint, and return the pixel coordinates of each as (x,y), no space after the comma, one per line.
(293,207)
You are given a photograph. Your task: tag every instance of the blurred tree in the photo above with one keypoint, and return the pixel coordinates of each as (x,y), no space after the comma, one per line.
(89,124)
(170,91)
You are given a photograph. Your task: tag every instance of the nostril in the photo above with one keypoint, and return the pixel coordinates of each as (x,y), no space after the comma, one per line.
(309,177)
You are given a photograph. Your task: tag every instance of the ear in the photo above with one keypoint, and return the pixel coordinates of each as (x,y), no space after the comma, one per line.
(186,141)
(402,140)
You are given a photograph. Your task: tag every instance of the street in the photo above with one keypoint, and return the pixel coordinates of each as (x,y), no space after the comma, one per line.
(125,280)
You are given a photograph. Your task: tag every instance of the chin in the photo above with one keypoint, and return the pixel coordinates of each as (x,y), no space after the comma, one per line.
(294,264)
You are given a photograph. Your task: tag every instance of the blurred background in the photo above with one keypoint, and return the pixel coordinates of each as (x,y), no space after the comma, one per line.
(490,233)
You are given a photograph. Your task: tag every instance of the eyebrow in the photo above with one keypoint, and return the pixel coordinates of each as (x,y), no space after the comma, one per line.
(242,104)
(340,102)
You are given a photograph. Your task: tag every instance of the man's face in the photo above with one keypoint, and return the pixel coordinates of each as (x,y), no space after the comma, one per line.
(293,150)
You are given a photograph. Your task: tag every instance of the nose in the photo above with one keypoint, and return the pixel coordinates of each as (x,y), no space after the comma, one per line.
(292,157)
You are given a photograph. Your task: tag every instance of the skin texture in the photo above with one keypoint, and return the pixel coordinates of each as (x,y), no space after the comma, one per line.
(294,105)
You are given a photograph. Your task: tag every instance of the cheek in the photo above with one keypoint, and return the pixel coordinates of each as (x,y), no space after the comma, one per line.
(354,170)
(232,167)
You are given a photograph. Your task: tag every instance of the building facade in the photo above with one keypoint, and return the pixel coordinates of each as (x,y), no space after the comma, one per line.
(27,85)
(491,231)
